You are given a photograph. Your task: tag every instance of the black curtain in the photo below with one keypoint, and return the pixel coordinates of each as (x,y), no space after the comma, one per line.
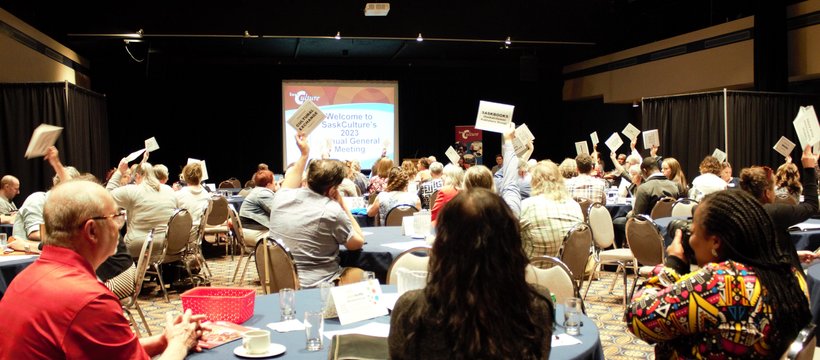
(82,144)
(690,127)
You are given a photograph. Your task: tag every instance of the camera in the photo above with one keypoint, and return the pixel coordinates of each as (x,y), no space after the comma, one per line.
(685,227)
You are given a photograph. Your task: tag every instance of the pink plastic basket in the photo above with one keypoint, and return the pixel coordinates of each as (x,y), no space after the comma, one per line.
(220,304)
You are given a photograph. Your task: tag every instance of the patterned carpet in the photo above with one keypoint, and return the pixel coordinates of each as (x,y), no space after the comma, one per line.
(604,308)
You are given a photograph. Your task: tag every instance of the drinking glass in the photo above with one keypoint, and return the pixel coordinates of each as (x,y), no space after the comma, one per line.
(368,275)
(3,241)
(287,303)
(572,316)
(314,330)
(324,289)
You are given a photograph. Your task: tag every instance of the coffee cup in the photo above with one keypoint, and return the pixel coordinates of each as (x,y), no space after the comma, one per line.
(256,341)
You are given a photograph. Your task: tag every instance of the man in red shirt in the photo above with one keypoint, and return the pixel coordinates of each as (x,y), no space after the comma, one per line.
(56,308)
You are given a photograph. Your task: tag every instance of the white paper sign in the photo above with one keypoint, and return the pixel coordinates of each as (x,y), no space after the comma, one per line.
(650,137)
(631,131)
(132,156)
(307,117)
(151,144)
(494,117)
(594,137)
(784,146)
(719,155)
(614,142)
(204,168)
(806,126)
(523,134)
(581,148)
(359,301)
(43,137)
(354,202)
(452,154)
(372,329)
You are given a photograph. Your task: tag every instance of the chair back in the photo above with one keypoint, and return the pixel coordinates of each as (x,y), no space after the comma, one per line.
(576,251)
(585,206)
(227,184)
(785,199)
(416,258)
(395,215)
(600,222)
(683,207)
(275,266)
(203,221)
(238,231)
(218,210)
(645,241)
(432,199)
(179,233)
(662,208)
(802,348)
(142,266)
(552,274)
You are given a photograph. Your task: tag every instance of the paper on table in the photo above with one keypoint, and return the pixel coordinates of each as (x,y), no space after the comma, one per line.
(406,245)
(132,156)
(784,146)
(650,137)
(8,258)
(806,126)
(372,329)
(614,142)
(493,117)
(43,137)
(452,154)
(581,147)
(719,155)
(358,301)
(407,225)
(307,117)
(389,300)
(151,144)
(631,131)
(365,233)
(287,326)
(594,137)
(564,340)
(204,168)
(804,226)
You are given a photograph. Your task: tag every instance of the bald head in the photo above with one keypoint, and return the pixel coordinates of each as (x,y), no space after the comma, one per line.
(69,205)
(9,186)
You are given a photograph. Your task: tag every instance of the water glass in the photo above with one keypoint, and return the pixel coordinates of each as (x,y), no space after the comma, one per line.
(287,303)
(368,275)
(4,241)
(572,316)
(314,330)
(324,289)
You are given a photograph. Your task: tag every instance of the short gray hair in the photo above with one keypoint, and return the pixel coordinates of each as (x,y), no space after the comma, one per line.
(67,206)
(452,175)
(436,168)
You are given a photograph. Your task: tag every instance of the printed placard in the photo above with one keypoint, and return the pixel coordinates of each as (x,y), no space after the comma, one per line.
(151,144)
(452,154)
(719,155)
(594,137)
(493,117)
(43,137)
(523,134)
(204,168)
(614,142)
(650,138)
(806,126)
(631,131)
(358,301)
(784,146)
(581,148)
(307,117)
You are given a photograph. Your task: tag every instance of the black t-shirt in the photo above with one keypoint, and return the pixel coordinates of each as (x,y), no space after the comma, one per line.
(117,263)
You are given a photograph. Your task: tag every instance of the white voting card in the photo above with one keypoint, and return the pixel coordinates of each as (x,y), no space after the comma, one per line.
(151,144)
(43,137)
(631,131)
(614,142)
(594,137)
(523,134)
(526,153)
(134,155)
(581,147)
(784,146)
(204,168)
(650,137)
(493,117)
(307,117)
(806,126)
(452,154)
(359,301)
(719,155)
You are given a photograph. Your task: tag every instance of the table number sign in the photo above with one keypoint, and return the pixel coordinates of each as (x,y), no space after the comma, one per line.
(357,302)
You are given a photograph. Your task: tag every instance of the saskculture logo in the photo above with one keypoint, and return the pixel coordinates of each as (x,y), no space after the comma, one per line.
(301,96)
(466,134)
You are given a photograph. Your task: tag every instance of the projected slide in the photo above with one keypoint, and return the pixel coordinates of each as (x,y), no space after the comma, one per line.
(362,119)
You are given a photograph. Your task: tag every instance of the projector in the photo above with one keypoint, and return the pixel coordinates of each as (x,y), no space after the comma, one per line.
(376,9)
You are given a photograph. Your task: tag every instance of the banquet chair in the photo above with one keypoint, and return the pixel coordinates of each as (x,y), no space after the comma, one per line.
(176,235)
(803,347)
(275,266)
(247,243)
(553,274)
(432,200)
(131,300)
(603,236)
(216,224)
(416,258)
(395,215)
(576,251)
(646,243)
(226,184)
(585,206)
(662,208)
(683,207)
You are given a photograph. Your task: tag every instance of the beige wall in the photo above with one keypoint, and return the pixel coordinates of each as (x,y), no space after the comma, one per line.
(19,63)
(730,66)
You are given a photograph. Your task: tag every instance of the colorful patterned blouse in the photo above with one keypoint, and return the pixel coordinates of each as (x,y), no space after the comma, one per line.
(716,313)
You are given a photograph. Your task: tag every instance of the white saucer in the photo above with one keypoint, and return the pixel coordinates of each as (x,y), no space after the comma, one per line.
(273,350)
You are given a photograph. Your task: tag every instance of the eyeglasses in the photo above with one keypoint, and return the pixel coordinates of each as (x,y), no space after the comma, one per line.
(118,217)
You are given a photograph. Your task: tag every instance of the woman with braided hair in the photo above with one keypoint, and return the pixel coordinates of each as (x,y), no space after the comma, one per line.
(748,300)
(395,193)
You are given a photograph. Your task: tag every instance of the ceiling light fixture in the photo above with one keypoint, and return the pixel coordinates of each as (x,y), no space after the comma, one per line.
(140,32)
(419,39)
(508,41)
(635,104)
(376,9)
(338,35)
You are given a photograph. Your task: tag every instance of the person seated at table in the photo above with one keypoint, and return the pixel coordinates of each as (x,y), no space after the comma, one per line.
(356,175)
(9,188)
(146,205)
(569,169)
(787,181)
(394,194)
(584,185)
(504,182)
(452,177)
(255,210)
(313,221)
(411,170)
(378,178)
(477,255)
(549,214)
(748,300)
(672,170)
(654,187)
(57,309)
(709,180)
(348,187)
(193,196)
(428,187)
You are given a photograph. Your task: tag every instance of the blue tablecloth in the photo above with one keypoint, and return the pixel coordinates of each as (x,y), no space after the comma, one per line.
(266,310)
(374,256)
(618,210)
(10,268)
